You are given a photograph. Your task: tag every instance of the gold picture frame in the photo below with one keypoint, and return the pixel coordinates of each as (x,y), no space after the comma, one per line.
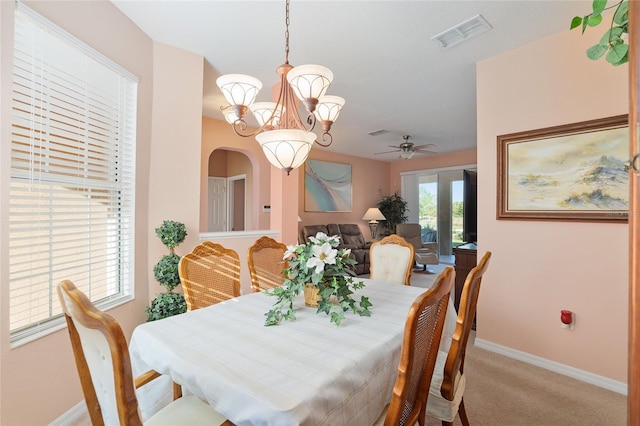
(573,172)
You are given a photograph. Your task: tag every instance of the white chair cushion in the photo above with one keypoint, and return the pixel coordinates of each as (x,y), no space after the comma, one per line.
(389,262)
(437,406)
(188,410)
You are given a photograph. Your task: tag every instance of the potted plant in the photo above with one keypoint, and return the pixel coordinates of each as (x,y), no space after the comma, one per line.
(394,209)
(325,274)
(167,304)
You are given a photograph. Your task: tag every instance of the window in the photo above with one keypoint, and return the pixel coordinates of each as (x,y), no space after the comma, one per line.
(71,210)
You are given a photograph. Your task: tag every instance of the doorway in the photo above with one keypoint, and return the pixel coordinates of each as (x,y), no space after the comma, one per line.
(237,202)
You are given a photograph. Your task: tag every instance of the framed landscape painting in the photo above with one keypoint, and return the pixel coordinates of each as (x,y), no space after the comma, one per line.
(570,172)
(327,186)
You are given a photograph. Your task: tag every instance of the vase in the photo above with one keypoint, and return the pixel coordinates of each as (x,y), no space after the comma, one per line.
(311,296)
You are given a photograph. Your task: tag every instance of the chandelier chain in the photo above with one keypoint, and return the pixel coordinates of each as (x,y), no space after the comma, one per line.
(286,35)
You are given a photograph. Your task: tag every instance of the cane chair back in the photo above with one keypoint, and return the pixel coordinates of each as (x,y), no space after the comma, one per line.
(449,381)
(209,274)
(104,366)
(421,340)
(391,259)
(266,264)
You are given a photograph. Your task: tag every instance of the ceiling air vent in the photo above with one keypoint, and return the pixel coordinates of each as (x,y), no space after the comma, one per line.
(462,32)
(378,132)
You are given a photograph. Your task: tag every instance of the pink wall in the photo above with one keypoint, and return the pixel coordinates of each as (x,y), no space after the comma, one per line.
(370,181)
(539,268)
(38,380)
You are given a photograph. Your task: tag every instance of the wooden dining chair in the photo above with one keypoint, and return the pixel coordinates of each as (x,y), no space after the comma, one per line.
(104,366)
(391,259)
(266,264)
(209,274)
(420,343)
(449,380)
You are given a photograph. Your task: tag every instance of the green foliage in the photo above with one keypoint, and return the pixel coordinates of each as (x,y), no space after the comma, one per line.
(166,271)
(394,209)
(171,233)
(427,203)
(330,269)
(166,305)
(457,209)
(612,42)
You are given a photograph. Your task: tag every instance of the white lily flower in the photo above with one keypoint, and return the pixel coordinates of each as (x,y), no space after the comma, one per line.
(290,250)
(325,252)
(316,263)
(320,238)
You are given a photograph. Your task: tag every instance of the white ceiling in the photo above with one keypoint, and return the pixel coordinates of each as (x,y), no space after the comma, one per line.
(392,75)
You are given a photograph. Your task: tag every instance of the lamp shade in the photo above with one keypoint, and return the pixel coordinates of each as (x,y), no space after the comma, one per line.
(286,148)
(230,116)
(329,108)
(309,81)
(373,214)
(239,89)
(263,110)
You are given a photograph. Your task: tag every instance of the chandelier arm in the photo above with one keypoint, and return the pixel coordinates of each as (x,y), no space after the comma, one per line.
(311,121)
(326,136)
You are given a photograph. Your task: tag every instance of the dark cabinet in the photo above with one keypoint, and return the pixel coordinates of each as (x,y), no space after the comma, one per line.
(466,257)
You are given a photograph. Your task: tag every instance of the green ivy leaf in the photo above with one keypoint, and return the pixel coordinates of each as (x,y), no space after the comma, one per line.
(622,13)
(598,6)
(617,54)
(594,20)
(596,52)
(575,22)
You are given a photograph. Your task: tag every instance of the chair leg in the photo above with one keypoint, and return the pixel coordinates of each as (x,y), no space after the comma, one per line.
(446,423)
(463,414)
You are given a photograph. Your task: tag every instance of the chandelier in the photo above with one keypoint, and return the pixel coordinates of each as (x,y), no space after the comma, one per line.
(284,136)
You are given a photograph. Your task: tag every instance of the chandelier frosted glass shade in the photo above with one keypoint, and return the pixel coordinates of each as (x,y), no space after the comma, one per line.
(239,90)
(309,82)
(263,110)
(329,108)
(230,116)
(286,149)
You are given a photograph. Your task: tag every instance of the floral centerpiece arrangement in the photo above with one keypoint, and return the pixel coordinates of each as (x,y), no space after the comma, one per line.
(320,264)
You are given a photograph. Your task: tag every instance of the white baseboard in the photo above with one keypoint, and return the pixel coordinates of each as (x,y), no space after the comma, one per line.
(72,415)
(556,367)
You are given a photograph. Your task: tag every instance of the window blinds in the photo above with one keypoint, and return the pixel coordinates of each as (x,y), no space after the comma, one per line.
(71,210)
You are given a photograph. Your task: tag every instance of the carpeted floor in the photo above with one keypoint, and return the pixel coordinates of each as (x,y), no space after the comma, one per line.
(504,391)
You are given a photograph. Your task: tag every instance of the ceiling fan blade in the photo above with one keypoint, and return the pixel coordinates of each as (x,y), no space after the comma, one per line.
(386,152)
(423,146)
(424,151)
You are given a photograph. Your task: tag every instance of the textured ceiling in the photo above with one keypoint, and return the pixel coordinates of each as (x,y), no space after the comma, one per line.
(392,75)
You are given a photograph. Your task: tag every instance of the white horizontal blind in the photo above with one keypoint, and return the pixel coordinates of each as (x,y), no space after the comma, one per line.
(72,175)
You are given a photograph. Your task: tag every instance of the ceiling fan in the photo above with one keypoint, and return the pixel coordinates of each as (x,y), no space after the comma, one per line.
(407,149)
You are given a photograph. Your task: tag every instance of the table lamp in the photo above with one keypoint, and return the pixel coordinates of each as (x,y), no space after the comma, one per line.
(373,215)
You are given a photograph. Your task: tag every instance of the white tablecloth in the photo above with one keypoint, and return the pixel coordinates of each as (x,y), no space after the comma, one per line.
(307,371)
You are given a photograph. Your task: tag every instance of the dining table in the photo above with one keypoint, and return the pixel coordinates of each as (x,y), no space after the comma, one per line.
(306,371)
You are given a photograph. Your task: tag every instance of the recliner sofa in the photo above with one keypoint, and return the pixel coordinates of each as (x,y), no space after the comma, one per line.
(350,237)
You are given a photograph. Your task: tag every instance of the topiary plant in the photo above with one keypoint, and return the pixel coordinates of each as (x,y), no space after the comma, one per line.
(394,209)
(167,304)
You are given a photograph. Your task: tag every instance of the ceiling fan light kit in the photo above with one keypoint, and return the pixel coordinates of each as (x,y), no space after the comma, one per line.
(286,138)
